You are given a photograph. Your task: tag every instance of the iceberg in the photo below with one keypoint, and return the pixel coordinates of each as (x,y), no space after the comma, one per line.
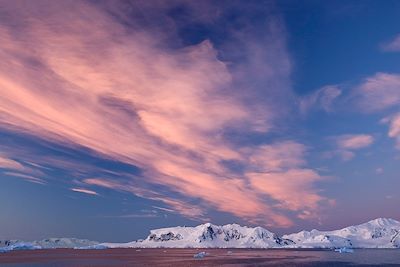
(19,246)
(98,246)
(200,255)
(344,250)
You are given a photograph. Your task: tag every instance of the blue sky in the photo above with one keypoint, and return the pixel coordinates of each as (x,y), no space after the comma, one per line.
(117,117)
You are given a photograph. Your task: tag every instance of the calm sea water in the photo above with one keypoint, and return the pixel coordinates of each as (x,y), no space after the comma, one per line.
(184,257)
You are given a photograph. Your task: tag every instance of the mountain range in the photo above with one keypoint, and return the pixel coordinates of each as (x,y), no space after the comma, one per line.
(378,233)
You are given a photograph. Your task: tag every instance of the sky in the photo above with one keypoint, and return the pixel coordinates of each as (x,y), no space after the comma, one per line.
(117,117)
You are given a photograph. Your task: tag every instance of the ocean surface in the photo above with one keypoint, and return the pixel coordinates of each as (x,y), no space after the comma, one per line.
(214,257)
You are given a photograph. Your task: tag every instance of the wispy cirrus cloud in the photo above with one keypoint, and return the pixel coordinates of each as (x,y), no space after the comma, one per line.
(394,127)
(13,168)
(323,98)
(140,214)
(347,144)
(26,177)
(354,141)
(127,96)
(379,93)
(392,46)
(177,206)
(7,163)
(85,191)
(276,157)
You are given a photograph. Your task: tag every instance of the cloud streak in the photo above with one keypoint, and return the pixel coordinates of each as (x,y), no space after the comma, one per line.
(85,191)
(394,127)
(354,141)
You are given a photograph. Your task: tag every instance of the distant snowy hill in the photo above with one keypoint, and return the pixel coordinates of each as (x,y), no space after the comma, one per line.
(7,245)
(378,233)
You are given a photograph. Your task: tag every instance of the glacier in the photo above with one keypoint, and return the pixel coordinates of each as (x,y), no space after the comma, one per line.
(50,243)
(378,233)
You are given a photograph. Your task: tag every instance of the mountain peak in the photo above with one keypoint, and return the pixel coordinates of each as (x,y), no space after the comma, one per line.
(385,221)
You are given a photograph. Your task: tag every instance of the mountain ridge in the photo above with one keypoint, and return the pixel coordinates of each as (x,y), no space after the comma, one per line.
(377,233)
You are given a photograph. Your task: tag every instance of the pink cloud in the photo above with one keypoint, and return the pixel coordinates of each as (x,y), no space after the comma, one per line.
(212,189)
(7,163)
(292,189)
(277,157)
(22,170)
(378,92)
(354,141)
(394,127)
(347,144)
(130,99)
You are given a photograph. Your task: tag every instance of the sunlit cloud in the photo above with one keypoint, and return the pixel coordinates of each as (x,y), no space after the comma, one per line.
(127,97)
(279,156)
(347,144)
(25,171)
(6,163)
(354,141)
(394,127)
(299,182)
(26,177)
(378,92)
(280,168)
(85,191)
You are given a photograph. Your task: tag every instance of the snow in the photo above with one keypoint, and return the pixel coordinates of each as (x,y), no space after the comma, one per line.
(378,233)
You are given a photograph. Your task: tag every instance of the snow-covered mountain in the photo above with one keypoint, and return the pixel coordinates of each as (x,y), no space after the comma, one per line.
(378,233)
(210,236)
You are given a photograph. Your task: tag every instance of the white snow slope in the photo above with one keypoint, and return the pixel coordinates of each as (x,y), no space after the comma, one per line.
(378,233)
